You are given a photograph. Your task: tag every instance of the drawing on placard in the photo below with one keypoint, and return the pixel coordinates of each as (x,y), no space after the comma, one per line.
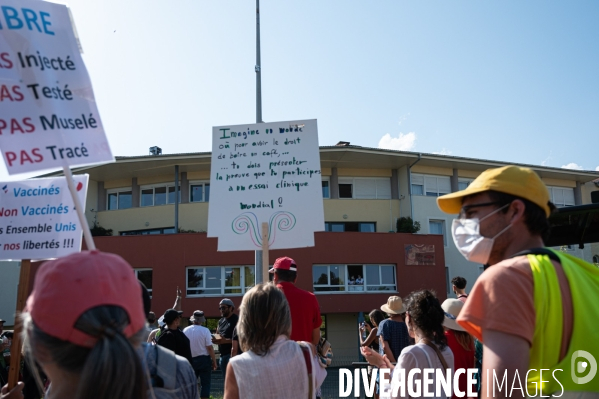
(247,223)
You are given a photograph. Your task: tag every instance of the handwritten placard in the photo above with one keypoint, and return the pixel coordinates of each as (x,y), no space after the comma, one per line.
(38,219)
(49,116)
(267,172)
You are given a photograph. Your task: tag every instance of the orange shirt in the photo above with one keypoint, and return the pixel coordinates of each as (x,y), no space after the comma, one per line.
(503,300)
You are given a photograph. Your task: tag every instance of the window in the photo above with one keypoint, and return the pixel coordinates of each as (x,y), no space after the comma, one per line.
(145,276)
(353,278)
(158,195)
(326,193)
(365,187)
(219,280)
(119,199)
(437,227)
(463,184)
(431,186)
(199,192)
(363,227)
(163,230)
(562,196)
(346,190)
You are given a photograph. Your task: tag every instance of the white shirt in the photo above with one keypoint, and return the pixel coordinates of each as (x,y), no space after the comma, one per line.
(419,356)
(281,374)
(199,339)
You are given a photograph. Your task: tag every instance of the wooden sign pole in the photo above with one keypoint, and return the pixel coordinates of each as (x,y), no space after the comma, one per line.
(15,349)
(265,263)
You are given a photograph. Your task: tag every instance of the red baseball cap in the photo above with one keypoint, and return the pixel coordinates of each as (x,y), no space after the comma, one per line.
(65,288)
(284,263)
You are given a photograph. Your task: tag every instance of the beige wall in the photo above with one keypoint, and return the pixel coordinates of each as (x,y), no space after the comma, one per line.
(558,182)
(383,212)
(364,172)
(342,333)
(432,170)
(192,216)
(117,183)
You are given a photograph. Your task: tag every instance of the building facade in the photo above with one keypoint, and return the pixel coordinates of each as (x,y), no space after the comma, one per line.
(364,192)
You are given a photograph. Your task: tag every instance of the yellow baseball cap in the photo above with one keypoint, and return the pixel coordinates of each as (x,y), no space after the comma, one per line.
(514,180)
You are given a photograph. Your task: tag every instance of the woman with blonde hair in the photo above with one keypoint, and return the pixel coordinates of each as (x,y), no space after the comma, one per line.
(272,366)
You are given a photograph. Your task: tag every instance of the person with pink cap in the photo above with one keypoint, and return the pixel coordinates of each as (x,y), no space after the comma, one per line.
(84,323)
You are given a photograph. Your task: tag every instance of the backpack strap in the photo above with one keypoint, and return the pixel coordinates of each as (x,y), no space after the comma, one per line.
(308,359)
(539,251)
(166,366)
(437,351)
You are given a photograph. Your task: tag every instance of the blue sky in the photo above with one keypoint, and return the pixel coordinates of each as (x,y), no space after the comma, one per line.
(502,80)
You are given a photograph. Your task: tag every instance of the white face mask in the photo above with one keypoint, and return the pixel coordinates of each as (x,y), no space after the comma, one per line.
(467,238)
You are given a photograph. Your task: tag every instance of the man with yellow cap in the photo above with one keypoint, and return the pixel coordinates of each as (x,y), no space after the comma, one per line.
(532,308)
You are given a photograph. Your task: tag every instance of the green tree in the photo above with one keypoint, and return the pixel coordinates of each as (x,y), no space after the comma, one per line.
(407,225)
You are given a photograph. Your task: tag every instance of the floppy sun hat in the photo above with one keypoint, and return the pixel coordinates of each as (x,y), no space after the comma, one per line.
(394,305)
(452,308)
(67,287)
(514,180)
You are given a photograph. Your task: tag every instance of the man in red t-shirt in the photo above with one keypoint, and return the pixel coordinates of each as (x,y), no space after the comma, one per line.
(305,311)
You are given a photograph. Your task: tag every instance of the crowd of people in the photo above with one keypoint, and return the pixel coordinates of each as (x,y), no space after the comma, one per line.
(89,332)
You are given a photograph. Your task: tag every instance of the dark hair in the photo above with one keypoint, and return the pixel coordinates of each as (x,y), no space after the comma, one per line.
(376,316)
(535,217)
(427,314)
(459,282)
(286,275)
(111,368)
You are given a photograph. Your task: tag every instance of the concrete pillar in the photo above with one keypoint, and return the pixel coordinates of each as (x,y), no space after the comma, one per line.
(454,181)
(578,194)
(184,188)
(135,192)
(334,184)
(101,197)
(394,184)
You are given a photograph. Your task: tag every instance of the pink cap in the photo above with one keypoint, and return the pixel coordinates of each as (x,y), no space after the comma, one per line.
(67,287)
(284,263)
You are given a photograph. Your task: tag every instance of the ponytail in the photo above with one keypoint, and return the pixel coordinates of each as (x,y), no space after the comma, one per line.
(427,314)
(112,368)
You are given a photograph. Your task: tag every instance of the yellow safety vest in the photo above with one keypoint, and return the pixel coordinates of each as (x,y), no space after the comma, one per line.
(577,371)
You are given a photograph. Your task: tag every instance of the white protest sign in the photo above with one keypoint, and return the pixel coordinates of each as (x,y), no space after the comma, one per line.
(267,172)
(49,116)
(38,219)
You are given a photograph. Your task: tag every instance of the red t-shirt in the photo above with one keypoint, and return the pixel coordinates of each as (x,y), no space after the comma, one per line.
(305,311)
(462,359)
